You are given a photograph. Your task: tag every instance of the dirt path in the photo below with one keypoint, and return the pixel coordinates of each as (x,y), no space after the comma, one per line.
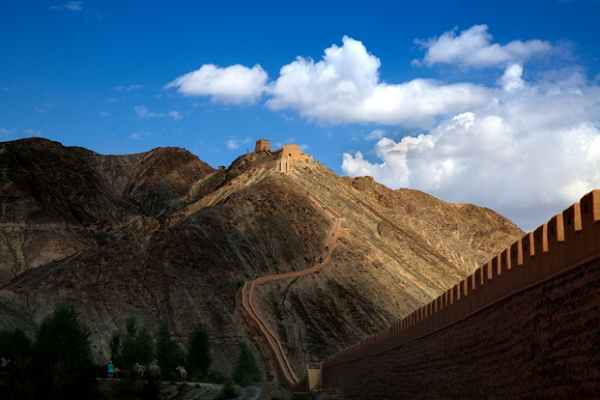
(283,369)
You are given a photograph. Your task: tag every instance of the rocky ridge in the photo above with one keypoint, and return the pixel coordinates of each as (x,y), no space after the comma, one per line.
(162,235)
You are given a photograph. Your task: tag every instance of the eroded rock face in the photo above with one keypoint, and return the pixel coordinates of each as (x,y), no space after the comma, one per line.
(162,235)
(399,249)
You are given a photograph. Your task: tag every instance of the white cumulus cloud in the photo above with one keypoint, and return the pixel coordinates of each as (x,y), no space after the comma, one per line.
(234,84)
(344,87)
(511,80)
(473,48)
(527,155)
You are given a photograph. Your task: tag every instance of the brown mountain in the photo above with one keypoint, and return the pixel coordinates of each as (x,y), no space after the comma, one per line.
(162,235)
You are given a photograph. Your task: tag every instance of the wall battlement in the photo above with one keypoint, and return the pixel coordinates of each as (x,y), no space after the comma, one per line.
(288,153)
(262,145)
(568,240)
(292,151)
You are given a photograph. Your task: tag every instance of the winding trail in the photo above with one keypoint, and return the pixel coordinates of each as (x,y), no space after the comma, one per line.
(283,369)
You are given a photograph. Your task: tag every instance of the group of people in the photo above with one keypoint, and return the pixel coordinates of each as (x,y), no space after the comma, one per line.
(113,372)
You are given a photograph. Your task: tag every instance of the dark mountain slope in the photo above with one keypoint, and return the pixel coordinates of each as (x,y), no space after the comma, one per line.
(161,235)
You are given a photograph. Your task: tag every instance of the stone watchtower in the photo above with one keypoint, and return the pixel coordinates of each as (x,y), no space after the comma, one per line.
(261,145)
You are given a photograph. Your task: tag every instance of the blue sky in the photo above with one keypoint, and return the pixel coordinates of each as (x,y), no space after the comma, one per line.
(494,103)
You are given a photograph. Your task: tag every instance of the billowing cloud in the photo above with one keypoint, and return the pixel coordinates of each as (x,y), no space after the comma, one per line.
(344,87)
(511,80)
(473,48)
(234,84)
(527,155)
(526,149)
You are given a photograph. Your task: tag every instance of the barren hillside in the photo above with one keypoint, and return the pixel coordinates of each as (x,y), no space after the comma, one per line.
(161,235)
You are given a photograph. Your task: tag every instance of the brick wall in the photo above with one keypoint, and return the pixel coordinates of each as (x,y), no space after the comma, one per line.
(540,343)
(513,326)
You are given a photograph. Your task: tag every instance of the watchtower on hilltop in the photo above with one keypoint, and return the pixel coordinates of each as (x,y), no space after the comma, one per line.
(287,153)
(262,145)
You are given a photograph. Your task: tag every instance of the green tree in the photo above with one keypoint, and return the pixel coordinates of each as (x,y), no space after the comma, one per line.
(63,356)
(15,345)
(63,341)
(136,347)
(199,358)
(246,371)
(168,352)
(115,345)
(15,381)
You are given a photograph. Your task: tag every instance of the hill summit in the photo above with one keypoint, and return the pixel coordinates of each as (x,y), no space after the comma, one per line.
(162,235)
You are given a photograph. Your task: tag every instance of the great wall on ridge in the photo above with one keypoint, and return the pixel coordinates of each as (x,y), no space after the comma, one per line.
(283,369)
(529,318)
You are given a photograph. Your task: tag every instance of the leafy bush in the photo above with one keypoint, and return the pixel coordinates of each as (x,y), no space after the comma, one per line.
(246,382)
(229,391)
(216,377)
(285,385)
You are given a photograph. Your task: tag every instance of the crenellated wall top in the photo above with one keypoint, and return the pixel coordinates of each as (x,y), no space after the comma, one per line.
(569,240)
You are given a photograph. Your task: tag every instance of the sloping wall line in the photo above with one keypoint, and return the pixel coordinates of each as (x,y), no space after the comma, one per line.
(567,241)
(282,366)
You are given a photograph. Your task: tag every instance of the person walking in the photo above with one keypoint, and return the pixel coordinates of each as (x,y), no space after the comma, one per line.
(111,370)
